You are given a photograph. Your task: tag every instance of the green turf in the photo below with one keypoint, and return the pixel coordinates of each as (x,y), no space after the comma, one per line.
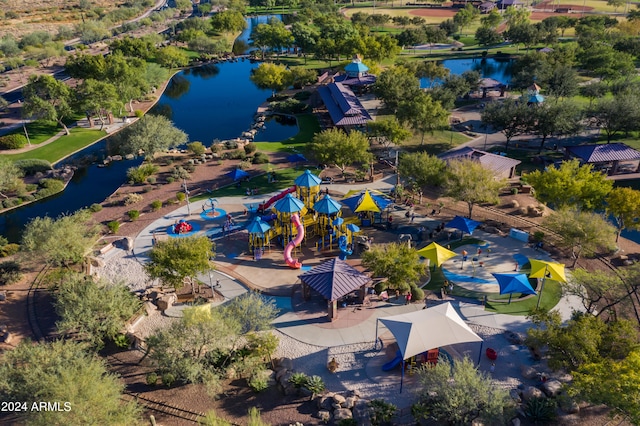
(437,277)
(64,146)
(550,297)
(307,125)
(285,178)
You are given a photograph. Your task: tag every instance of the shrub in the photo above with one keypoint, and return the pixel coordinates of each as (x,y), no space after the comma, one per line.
(152,379)
(147,189)
(33,166)
(168,379)
(133,214)
(258,383)
(156,205)
(250,148)
(140,174)
(190,168)
(245,164)
(95,207)
(302,96)
(538,236)
(380,287)
(231,144)
(152,180)
(298,379)
(113,226)
(180,173)
(289,106)
(315,384)
(49,187)
(381,411)
(514,190)
(9,272)
(122,341)
(236,155)
(277,97)
(30,187)
(216,146)
(260,158)
(417,293)
(348,422)
(171,179)
(13,141)
(28,198)
(181,196)
(8,249)
(138,113)
(541,409)
(196,147)
(132,198)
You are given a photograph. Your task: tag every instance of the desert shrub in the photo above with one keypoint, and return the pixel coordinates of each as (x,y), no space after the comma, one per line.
(113,226)
(250,148)
(236,154)
(179,173)
(298,379)
(122,341)
(417,293)
(6,204)
(315,384)
(13,141)
(302,96)
(9,272)
(181,196)
(95,207)
(49,187)
(541,410)
(289,106)
(260,158)
(152,379)
(538,236)
(196,147)
(133,214)
(32,166)
(138,113)
(147,189)
(381,411)
(132,198)
(6,248)
(258,383)
(190,168)
(30,187)
(27,198)
(168,379)
(277,97)
(152,180)
(156,205)
(231,144)
(514,190)
(140,174)
(171,179)
(245,164)
(216,146)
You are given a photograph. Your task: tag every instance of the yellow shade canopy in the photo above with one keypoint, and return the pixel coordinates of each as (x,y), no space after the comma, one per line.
(436,254)
(367,204)
(544,269)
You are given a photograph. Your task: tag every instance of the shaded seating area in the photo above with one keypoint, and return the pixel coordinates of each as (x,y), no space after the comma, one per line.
(611,159)
(337,283)
(343,106)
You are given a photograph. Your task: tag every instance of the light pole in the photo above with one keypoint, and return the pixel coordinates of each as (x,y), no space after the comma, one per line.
(25,132)
(186,194)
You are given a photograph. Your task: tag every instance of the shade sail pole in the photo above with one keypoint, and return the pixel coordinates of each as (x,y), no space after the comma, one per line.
(402,375)
(375,344)
(480,354)
(544,278)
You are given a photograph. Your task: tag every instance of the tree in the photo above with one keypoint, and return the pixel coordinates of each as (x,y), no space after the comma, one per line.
(615,383)
(562,82)
(469,181)
(584,339)
(395,85)
(62,241)
(617,114)
(62,371)
(272,35)
(150,134)
(429,69)
(301,76)
(616,4)
(583,232)
(397,262)
(524,33)
(93,311)
(460,394)
(510,117)
(228,21)
(173,260)
(424,169)
(334,146)
(305,37)
(184,6)
(388,131)
(172,57)
(492,20)
(555,118)
(606,62)
(624,205)
(48,99)
(100,98)
(252,311)
(423,114)
(10,176)
(271,76)
(516,15)
(570,185)
(487,36)
(466,16)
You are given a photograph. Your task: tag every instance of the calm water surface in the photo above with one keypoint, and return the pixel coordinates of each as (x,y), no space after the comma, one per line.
(489,68)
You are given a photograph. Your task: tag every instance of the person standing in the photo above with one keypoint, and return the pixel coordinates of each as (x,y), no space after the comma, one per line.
(408,298)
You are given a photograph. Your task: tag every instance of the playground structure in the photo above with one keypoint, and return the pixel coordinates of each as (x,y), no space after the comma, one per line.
(295,264)
(182,227)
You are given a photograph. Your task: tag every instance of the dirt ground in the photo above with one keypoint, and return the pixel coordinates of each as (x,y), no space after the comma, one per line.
(436,12)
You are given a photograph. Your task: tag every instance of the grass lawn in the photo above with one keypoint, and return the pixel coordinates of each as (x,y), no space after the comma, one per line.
(550,298)
(66,145)
(527,156)
(307,125)
(285,179)
(436,142)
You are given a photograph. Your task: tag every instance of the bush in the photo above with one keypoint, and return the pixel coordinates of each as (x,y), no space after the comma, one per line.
(138,113)
(245,164)
(278,97)
(514,190)
(27,198)
(260,158)
(181,196)
(231,144)
(147,189)
(140,174)
(196,147)
(538,236)
(13,141)
(381,411)
(8,249)
(250,148)
(190,168)
(290,106)
(156,205)
(168,379)
(298,379)
(180,173)
(30,187)
(113,226)
(152,379)
(33,166)
(236,154)
(380,287)
(133,214)
(541,410)
(9,272)
(417,294)
(122,341)
(95,207)
(258,383)
(315,384)
(152,180)
(302,96)
(132,198)
(171,179)
(49,187)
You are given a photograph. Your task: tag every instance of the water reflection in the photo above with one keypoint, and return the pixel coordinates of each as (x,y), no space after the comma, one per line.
(205,71)
(178,86)
(500,70)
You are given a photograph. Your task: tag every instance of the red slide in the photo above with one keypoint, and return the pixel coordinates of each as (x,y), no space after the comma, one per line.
(294,263)
(264,206)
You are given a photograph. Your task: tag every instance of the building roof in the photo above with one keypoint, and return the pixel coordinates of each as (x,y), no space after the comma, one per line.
(489,83)
(602,153)
(334,279)
(356,66)
(359,80)
(497,163)
(487,5)
(510,2)
(344,107)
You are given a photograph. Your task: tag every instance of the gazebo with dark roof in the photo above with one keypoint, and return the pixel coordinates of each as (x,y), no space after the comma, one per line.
(333,280)
(502,167)
(344,107)
(607,157)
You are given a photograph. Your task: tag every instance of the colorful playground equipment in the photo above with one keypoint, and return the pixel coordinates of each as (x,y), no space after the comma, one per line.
(182,227)
(295,219)
(368,205)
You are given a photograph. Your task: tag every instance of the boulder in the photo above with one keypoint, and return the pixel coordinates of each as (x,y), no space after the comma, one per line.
(284,378)
(339,399)
(164,303)
(279,373)
(289,389)
(285,363)
(5,336)
(354,392)
(515,421)
(531,392)
(515,395)
(324,416)
(149,307)
(303,391)
(350,402)
(569,405)
(528,372)
(342,414)
(552,387)
(513,338)
(325,402)
(271,378)
(361,412)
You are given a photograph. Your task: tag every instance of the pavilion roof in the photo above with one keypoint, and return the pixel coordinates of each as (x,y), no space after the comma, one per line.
(344,107)
(497,163)
(334,279)
(602,153)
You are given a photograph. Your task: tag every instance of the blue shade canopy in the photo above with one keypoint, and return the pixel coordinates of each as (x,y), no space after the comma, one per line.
(237,174)
(352,227)
(296,158)
(288,204)
(354,202)
(338,221)
(327,205)
(307,180)
(514,283)
(463,224)
(257,226)
(334,279)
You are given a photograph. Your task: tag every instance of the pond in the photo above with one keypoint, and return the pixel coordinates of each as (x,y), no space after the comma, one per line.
(498,69)
(214,101)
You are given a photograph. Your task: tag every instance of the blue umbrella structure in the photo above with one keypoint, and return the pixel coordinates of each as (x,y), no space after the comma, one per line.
(257,226)
(354,202)
(237,174)
(514,283)
(327,205)
(296,158)
(288,204)
(307,179)
(338,221)
(463,224)
(352,227)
